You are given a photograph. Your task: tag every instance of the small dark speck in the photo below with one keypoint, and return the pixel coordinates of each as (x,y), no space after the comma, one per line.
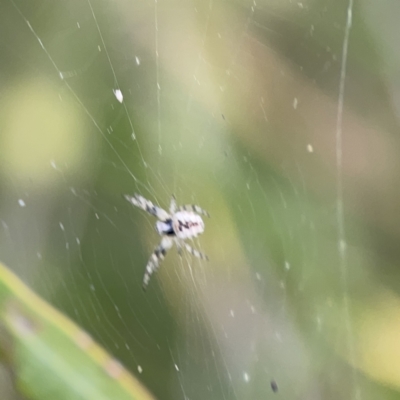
(274,386)
(223,117)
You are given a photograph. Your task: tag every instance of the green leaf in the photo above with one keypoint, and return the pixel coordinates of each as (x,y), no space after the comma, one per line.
(51,357)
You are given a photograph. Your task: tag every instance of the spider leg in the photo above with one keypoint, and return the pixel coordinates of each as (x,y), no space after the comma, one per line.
(172,207)
(155,259)
(193,207)
(147,205)
(194,252)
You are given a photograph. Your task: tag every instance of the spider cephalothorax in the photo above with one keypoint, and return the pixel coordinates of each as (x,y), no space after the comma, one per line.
(181,223)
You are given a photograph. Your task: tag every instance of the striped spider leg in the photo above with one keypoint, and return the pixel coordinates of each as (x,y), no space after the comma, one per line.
(193,208)
(181,244)
(155,259)
(146,205)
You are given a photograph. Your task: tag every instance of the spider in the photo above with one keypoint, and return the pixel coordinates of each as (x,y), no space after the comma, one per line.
(181,223)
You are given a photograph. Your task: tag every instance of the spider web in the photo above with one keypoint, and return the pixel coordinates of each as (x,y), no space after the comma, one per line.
(237,106)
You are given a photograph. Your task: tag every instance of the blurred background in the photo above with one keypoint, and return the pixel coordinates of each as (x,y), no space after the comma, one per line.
(280,118)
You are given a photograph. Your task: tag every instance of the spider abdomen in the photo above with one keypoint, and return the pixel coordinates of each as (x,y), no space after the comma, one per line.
(187,224)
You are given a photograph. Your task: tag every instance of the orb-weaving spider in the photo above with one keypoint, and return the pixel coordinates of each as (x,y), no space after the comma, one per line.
(181,223)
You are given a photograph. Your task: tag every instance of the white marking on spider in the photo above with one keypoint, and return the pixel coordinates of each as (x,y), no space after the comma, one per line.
(181,223)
